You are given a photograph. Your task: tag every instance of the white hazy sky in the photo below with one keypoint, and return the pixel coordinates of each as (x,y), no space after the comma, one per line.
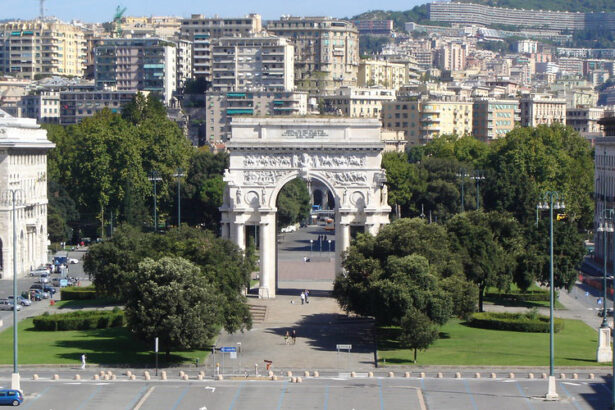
(101,10)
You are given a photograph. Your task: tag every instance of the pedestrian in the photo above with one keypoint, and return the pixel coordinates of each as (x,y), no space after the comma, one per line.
(286,336)
(83,357)
(294,336)
(307,295)
(302,298)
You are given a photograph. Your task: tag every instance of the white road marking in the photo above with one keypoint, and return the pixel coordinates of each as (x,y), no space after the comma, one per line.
(213,389)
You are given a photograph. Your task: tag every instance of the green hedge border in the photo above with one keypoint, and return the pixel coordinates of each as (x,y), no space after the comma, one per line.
(516,322)
(527,296)
(82,320)
(78,293)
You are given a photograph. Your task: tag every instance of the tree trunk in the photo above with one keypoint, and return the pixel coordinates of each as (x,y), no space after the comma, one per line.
(481,295)
(414,355)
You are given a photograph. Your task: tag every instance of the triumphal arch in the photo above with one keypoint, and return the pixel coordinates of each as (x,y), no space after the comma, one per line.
(342,154)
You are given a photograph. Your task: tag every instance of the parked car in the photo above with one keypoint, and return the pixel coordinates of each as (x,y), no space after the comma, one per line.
(12,397)
(43,278)
(73,260)
(6,304)
(50,289)
(38,272)
(39,287)
(21,300)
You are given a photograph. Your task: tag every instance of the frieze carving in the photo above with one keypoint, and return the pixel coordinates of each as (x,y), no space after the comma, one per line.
(304,161)
(347,178)
(262,177)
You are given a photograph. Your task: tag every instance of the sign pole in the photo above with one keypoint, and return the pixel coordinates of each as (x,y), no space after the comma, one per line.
(156,350)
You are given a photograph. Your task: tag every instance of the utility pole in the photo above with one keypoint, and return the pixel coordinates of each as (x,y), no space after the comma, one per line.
(154,177)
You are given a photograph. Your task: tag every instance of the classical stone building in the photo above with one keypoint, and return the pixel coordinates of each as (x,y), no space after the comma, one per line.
(23,169)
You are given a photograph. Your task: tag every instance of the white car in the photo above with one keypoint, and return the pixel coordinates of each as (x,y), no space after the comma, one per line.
(73,260)
(6,304)
(289,228)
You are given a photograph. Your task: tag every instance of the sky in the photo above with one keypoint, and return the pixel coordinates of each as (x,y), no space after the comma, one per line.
(101,10)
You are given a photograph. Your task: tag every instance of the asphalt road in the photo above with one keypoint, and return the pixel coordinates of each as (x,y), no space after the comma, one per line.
(333,393)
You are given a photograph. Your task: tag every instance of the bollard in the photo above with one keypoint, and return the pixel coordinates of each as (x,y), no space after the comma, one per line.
(128,373)
(181,374)
(185,377)
(494,376)
(110,373)
(439,375)
(316,374)
(306,373)
(544,376)
(391,374)
(106,377)
(457,375)
(133,377)
(219,377)
(102,373)
(146,376)
(274,378)
(370,374)
(299,379)
(477,375)
(96,377)
(200,376)
(407,375)
(114,377)
(293,380)
(590,376)
(77,377)
(289,373)
(562,375)
(575,376)
(422,375)
(270,373)
(163,375)
(511,375)
(530,375)
(35,376)
(353,374)
(55,377)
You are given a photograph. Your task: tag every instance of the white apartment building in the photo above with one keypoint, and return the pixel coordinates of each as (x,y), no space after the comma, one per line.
(326,51)
(23,168)
(259,62)
(44,107)
(383,73)
(356,102)
(201,30)
(537,109)
(35,48)
(584,120)
(452,57)
(527,46)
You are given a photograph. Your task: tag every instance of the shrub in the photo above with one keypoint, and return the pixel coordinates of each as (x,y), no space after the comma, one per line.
(538,295)
(82,320)
(516,322)
(78,293)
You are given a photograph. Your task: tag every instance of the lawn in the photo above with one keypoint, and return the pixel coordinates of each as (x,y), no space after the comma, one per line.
(85,303)
(575,345)
(492,298)
(102,346)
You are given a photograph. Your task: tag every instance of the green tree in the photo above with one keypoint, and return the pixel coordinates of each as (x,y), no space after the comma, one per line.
(417,331)
(293,203)
(171,300)
(402,178)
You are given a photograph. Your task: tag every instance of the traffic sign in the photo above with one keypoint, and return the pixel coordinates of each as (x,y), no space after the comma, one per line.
(344,347)
(228,349)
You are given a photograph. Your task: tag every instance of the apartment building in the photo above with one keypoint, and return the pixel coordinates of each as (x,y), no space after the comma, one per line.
(183,57)
(374,26)
(143,64)
(44,106)
(527,46)
(382,73)
(584,120)
(259,62)
(356,102)
(221,107)
(452,57)
(165,27)
(493,119)
(82,102)
(422,120)
(37,48)
(326,51)
(201,30)
(541,109)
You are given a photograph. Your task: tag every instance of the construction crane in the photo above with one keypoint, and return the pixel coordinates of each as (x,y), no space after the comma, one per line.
(117,20)
(42,8)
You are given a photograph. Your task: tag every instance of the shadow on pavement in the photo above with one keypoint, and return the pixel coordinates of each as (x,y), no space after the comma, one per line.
(601,397)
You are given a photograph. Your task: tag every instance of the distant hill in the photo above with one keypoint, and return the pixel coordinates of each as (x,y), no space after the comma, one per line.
(418,14)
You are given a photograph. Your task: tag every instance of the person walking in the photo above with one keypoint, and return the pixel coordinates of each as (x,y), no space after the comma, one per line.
(302,297)
(307,295)
(294,336)
(286,337)
(83,357)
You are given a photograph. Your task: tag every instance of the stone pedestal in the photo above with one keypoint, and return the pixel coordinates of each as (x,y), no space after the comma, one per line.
(15,381)
(552,391)
(604,353)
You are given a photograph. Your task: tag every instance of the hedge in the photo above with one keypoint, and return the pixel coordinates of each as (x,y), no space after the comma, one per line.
(78,293)
(517,322)
(82,320)
(527,296)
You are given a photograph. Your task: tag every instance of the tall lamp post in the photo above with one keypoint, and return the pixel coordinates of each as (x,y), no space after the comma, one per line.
(154,177)
(179,175)
(462,175)
(478,176)
(551,200)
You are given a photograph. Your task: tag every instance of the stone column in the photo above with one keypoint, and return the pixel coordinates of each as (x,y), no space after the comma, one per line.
(267,238)
(238,234)
(342,242)
(225,231)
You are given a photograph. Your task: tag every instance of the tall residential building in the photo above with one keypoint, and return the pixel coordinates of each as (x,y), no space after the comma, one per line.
(23,167)
(326,51)
(201,30)
(356,102)
(374,26)
(82,102)
(452,57)
(144,64)
(382,73)
(37,48)
(260,62)
(221,107)
(584,120)
(184,62)
(493,119)
(537,109)
(527,46)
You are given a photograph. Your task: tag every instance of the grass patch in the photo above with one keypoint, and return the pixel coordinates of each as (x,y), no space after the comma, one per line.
(492,297)
(575,345)
(86,303)
(113,346)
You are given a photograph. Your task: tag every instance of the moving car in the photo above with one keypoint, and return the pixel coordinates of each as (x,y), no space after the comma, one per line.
(6,304)
(21,300)
(13,397)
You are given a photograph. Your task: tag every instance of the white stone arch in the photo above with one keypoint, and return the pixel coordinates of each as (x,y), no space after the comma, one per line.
(343,155)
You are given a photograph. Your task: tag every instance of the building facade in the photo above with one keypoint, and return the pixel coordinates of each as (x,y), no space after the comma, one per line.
(43,106)
(584,120)
(326,51)
(23,169)
(382,73)
(537,109)
(259,62)
(493,119)
(221,107)
(144,64)
(30,49)
(201,30)
(80,103)
(356,102)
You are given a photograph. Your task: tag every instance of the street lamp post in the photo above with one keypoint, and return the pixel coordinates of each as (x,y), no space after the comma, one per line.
(311,244)
(478,176)
(329,250)
(154,177)
(551,200)
(179,175)
(462,174)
